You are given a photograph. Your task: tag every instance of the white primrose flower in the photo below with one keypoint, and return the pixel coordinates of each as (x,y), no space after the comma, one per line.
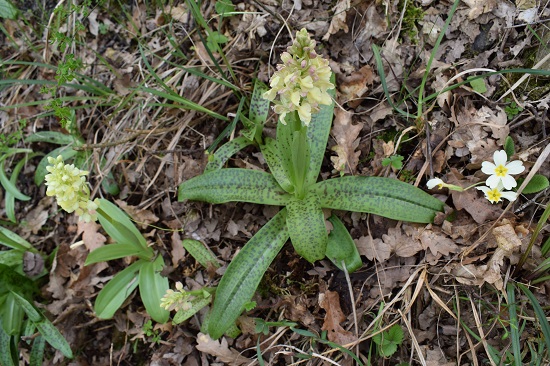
(500,172)
(495,195)
(432,183)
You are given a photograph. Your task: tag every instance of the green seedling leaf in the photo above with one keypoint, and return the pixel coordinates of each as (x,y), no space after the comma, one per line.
(114,293)
(37,351)
(9,186)
(40,173)
(110,185)
(112,251)
(6,358)
(478,85)
(152,287)
(317,135)
(52,335)
(29,309)
(396,161)
(306,227)
(217,160)
(54,137)
(389,340)
(536,184)
(14,241)
(201,253)
(10,199)
(381,196)
(234,184)
(509,147)
(119,227)
(12,315)
(244,274)
(7,10)
(341,247)
(259,107)
(274,160)
(196,304)
(224,6)
(214,39)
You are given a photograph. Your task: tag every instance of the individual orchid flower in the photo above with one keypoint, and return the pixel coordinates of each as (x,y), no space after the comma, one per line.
(496,194)
(68,184)
(500,172)
(432,183)
(301,81)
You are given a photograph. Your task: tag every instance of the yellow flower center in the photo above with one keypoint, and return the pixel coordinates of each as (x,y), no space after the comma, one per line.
(494,195)
(501,171)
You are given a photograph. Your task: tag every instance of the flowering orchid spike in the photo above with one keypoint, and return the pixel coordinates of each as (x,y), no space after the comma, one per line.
(301,81)
(68,184)
(500,172)
(176,300)
(495,195)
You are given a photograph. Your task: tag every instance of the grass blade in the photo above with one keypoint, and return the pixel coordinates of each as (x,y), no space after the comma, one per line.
(514,324)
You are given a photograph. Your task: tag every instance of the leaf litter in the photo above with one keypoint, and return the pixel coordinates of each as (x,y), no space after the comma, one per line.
(468,126)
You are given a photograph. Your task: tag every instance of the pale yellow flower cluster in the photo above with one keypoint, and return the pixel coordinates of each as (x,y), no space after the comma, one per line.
(68,184)
(301,81)
(176,300)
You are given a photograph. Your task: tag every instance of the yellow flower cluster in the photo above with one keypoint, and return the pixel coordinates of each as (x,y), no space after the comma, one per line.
(68,184)
(176,300)
(301,81)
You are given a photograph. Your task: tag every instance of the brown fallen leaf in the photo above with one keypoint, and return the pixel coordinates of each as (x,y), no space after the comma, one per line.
(338,21)
(355,85)
(221,350)
(345,134)
(140,216)
(330,301)
(373,248)
(90,236)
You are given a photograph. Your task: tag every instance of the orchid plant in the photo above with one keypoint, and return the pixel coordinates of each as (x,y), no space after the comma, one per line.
(302,91)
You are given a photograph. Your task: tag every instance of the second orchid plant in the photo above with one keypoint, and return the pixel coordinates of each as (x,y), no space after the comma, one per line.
(302,91)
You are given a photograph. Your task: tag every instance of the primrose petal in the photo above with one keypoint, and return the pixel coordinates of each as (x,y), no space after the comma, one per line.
(515,167)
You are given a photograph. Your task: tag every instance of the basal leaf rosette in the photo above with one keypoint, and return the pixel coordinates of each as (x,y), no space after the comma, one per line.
(301,81)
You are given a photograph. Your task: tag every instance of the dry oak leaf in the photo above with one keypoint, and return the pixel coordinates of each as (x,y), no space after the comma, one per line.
(338,21)
(330,301)
(221,350)
(90,236)
(373,248)
(478,7)
(345,134)
(437,242)
(140,216)
(356,85)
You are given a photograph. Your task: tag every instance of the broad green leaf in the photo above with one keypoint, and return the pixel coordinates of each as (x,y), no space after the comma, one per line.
(274,160)
(381,196)
(119,227)
(234,184)
(244,274)
(284,145)
(306,227)
(227,150)
(259,107)
(29,309)
(37,351)
(114,293)
(54,137)
(196,304)
(7,10)
(10,199)
(52,335)
(536,184)
(341,247)
(152,287)
(9,186)
(12,315)
(40,173)
(317,135)
(478,85)
(110,185)
(10,280)
(201,253)
(14,241)
(11,258)
(509,147)
(5,349)
(224,6)
(112,251)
